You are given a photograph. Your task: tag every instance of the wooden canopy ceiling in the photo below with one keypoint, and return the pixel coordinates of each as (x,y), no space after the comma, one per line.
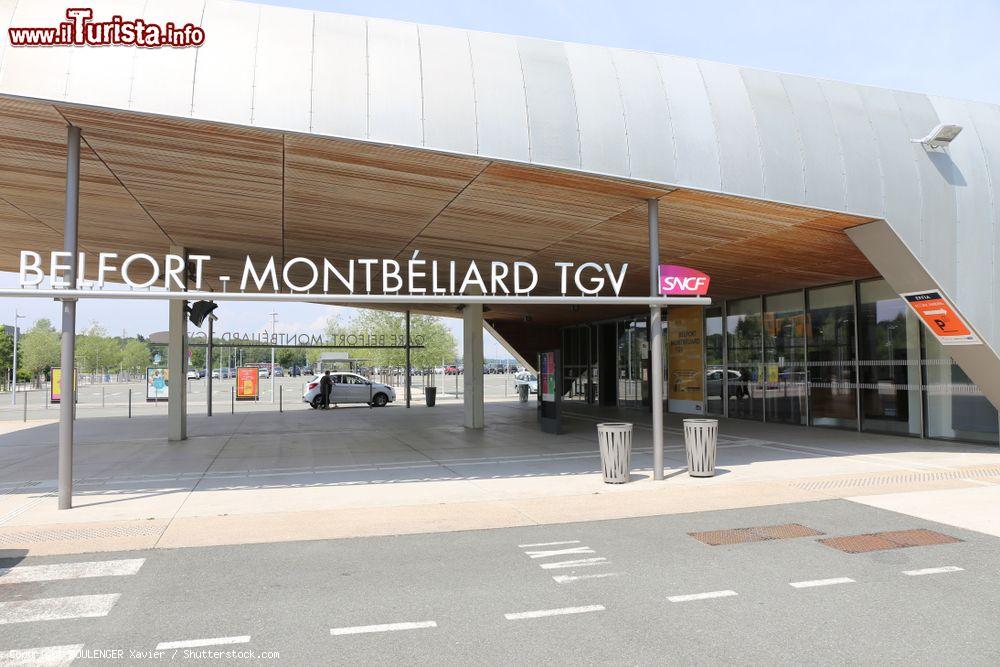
(148,183)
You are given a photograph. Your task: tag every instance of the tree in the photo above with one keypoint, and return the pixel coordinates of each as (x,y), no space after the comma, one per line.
(438,341)
(135,356)
(6,350)
(95,351)
(40,349)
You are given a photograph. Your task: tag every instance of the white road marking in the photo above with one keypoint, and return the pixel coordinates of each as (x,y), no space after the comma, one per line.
(106,568)
(386,627)
(553,612)
(933,570)
(44,656)
(546,544)
(583,562)
(560,552)
(821,582)
(54,609)
(195,643)
(702,596)
(566,578)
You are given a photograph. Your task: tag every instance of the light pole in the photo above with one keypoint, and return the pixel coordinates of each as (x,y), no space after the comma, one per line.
(274,338)
(13,370)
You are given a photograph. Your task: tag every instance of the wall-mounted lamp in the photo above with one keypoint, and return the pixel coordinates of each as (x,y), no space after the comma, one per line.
(940,136)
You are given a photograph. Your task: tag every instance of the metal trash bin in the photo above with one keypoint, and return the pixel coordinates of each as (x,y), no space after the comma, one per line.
(430,396)
(615,439)
(700,439)
(522,392)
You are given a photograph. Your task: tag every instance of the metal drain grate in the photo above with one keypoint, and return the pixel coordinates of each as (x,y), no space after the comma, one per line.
(893,539)
(900,478)
(61,534)
(758,534)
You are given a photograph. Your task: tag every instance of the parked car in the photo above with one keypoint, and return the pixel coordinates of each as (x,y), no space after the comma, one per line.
(451,370)
(350,388)
(527,378)
(263,373)
(193,374)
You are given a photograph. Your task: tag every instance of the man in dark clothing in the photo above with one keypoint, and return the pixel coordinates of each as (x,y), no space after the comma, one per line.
(325,387)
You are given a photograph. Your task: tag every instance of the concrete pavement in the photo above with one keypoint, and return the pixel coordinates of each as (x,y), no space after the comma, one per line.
(526,595)
(265,476)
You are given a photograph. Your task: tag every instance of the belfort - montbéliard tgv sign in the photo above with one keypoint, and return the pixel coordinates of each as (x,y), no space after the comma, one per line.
(412,276)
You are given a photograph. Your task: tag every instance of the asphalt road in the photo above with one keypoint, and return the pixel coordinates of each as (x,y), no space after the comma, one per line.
(644,592)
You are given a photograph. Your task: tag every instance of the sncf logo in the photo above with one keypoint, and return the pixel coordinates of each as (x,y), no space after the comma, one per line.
(682,281)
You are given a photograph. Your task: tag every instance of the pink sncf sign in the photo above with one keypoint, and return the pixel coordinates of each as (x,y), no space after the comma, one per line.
(682,281)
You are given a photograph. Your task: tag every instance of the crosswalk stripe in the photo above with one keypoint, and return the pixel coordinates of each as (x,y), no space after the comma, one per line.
(54,609)
(701,596)
(195,643)
(105,568)
(932,570)
(559,552)
(567,578)
(542,613)
(582,562)
(44,656)
(821,582)
(385,627)
(547,544)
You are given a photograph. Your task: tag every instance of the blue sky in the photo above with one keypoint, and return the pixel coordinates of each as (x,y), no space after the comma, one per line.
(943,47)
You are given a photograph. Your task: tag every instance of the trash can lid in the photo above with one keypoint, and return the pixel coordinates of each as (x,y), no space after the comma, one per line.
(615,425)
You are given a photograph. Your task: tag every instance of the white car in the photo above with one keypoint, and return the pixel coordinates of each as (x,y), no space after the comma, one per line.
(349,388)
(530,379)
(193,375)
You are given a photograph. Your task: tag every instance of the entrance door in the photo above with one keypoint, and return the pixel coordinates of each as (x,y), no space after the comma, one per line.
(633,363)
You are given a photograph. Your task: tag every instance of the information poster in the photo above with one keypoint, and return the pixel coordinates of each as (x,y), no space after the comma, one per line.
(157,384)
(55,387)
(686,376)
(547,376)
(247,383)
(941,318)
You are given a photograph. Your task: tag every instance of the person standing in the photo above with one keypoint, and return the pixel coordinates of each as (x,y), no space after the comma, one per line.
(325,387)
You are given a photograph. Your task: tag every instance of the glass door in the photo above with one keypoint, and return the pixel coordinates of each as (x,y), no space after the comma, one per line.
(633,363)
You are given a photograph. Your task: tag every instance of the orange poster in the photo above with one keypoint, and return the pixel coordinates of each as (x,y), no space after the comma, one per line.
(247,383)
(941,318)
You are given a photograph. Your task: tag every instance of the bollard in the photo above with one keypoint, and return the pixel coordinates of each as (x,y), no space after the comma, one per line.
(281,395)
(232,400)
(25,406)
(102,397)
(130,404)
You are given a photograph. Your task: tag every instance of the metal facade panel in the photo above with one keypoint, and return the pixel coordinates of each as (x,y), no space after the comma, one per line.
(284,69)
(604,142)
(395,111)
(900,178)
(36,72)
(449,93)
(780,143)
(821,150)
(696,145)
(340,76)
(647,117)
(103,75)
(552,121)
(975,291)
(862,170)
(735,126)
(223,86)
(161,79)
(986,118)
(937,195)
(501,109)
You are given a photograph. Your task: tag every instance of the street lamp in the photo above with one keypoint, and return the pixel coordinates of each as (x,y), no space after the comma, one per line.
(13,370)
(274,337)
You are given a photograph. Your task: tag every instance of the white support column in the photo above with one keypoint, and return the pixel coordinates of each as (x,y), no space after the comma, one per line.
(655,337)
(177,365)
(472,360)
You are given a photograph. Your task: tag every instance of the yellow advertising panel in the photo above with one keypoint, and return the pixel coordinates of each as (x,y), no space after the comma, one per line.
(247,383)
(686,375)
(55,387)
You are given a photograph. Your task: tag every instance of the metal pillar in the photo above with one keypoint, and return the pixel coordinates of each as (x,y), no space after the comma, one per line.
(67,393)
(13,369)
(655,337)
(472,359)
(274,339)
(408,385)
(177,365)
(208,367)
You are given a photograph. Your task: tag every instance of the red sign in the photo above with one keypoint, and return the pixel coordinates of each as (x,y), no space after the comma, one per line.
(941,318)
(247,383)
(682,281)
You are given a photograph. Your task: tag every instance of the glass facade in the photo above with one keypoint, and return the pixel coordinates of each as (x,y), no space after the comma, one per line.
(850,356)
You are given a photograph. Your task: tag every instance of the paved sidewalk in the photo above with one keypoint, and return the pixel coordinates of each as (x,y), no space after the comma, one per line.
(265,476)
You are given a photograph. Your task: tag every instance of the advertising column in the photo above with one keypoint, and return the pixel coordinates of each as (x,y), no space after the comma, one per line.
(247,383)
(685,344)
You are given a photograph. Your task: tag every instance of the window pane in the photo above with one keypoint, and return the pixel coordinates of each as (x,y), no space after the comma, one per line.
(831,356)
(784,358)
(743,337)
(956,408)
(889,364)
(715,372)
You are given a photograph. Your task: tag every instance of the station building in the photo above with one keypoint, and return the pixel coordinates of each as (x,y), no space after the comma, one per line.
(812,204)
